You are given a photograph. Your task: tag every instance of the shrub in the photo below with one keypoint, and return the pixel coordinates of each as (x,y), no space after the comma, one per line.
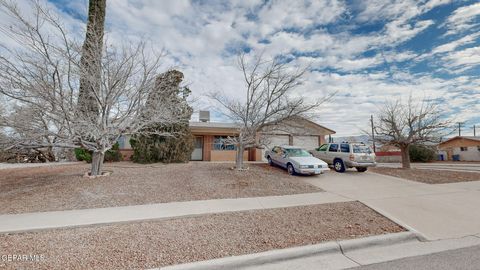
(167,149)
(83,155)
(422,153)
(113,154)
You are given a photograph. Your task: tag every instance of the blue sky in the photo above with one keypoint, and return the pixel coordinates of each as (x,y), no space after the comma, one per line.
(368,51)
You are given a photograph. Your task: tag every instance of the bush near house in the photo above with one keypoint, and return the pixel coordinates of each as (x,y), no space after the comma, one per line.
(177,143)
(83,155)
(167,149)
(111,155)
(422,153)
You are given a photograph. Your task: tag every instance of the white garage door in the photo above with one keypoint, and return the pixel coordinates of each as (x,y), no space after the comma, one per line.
(307,142)
(275,140)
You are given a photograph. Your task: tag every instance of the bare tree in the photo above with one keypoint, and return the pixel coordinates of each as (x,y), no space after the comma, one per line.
(268,101)
(44,75)
(403,124)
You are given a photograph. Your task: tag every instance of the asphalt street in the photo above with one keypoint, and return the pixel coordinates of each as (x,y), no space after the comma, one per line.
(458,259)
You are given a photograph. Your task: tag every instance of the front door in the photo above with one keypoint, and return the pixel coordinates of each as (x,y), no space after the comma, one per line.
(197,153)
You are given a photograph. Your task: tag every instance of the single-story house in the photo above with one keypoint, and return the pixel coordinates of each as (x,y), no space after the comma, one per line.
(210,138)
(464,148)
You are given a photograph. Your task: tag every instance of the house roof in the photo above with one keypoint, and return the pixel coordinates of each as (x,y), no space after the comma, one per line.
(214,125)
(473,138)
(233,127)
(214,128)
(320,126)
(293,124)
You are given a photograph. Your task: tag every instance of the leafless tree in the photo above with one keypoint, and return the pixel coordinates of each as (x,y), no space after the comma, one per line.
(403,124)
(268,101)
(43,75)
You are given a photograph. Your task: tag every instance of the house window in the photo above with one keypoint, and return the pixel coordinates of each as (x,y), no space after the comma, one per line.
(220,143)
(463,148)
(121,142)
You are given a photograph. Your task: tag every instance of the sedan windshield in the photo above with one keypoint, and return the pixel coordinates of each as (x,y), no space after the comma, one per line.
(361,149)
(297,152)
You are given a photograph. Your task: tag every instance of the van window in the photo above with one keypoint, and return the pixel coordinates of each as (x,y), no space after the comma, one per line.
(333,147)
(361,149)
(323,147)
(344,148)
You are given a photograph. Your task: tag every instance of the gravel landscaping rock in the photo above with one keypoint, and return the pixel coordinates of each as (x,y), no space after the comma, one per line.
(159,243)
(64,187)
(429,176)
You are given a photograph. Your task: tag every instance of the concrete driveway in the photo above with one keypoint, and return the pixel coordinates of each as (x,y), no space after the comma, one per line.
(434,211)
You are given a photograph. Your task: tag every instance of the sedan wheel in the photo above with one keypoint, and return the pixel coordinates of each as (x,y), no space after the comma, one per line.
(290,169)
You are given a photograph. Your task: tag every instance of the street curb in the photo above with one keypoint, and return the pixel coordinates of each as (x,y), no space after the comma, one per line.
(377,240)
(272,256)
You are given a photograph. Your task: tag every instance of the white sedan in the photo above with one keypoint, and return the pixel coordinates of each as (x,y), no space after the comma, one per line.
(296,160)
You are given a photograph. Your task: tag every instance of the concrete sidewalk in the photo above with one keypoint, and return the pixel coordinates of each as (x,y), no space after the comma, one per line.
(435,211)
(5,166)
(84,217)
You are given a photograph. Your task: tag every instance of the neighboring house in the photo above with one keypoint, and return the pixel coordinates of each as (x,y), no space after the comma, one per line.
(210,138)
(388,154)
(466,148)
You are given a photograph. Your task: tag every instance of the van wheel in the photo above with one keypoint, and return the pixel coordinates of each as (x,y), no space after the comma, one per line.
(361,169)
(270,162)
(338,166)
(290,169)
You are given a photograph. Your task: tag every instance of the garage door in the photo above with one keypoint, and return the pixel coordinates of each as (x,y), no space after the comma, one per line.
(307,142)
(275,140)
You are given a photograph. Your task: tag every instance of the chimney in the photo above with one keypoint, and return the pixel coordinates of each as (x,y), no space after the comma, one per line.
(204,116)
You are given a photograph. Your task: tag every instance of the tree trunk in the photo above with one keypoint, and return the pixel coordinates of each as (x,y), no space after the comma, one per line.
(97,163)
(405,156)
(239,158)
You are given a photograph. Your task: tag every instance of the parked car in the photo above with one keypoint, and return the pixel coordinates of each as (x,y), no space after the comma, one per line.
(346,155)
(296,160)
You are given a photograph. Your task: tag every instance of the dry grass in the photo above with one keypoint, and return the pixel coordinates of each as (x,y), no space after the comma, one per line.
(429,176)
(158,243)
(63,187)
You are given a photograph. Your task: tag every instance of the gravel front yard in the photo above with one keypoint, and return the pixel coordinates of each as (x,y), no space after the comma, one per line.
(63,187)
(159,243)
(429,176)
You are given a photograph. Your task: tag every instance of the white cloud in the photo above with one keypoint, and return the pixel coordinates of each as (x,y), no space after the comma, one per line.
(451,46)
(463,59)
(463,18)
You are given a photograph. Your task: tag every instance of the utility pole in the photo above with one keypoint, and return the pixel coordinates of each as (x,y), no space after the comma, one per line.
(460,128)
(474,131)
(373,133)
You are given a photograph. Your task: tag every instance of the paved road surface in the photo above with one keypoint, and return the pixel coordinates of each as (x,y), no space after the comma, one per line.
(461,259)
